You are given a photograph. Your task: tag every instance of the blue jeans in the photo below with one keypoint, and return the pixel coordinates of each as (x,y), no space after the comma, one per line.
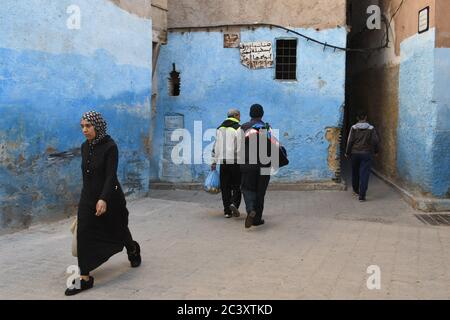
(254,186)
(361,165)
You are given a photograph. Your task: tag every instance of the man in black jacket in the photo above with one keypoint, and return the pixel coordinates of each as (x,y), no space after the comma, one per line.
(254,184)
(362,143)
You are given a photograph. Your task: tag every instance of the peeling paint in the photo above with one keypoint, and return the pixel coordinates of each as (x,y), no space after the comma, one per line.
(333,136)
(322,83)
(40,136)
(50,150)
(62,156)
(147,143)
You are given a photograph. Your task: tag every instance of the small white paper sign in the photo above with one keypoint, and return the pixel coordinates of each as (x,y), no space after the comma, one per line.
(257,55)
(424,17)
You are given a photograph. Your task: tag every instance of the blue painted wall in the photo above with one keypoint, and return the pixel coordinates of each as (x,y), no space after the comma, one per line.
(49,76)
(213,80)
(423,154)
(417,114)
(441,146)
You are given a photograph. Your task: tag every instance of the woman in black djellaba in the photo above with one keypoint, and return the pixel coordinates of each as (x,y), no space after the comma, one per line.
(102,229)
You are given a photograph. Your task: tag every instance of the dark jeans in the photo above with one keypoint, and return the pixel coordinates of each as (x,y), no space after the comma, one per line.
(254,186)
(230,180)
(361,165)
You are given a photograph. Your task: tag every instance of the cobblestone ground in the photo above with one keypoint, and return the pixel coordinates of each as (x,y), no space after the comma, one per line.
(314,245)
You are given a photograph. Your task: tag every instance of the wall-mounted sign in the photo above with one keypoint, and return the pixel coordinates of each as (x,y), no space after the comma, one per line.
(424,20)
(257,55)
(173,121)
(231,40)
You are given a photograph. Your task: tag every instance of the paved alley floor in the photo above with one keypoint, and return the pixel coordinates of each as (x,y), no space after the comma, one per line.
(314,245)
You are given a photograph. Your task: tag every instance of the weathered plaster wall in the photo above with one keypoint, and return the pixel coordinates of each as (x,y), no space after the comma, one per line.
(403,26)
(156,10)
(321,14)
(159,19)
(442,24)
(406,20)
(308,112)
(50,75)
(141,8)
(401,87)
(417,112)
(424,126)
(441,145)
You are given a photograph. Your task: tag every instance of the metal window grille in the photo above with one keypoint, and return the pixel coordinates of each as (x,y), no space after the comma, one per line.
(286,59)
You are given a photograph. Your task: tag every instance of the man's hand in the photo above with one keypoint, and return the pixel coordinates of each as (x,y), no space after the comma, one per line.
(100,207)
(347,156)
(213,167)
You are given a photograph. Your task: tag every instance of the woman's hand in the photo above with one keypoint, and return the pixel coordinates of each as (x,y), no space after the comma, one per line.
(100,207)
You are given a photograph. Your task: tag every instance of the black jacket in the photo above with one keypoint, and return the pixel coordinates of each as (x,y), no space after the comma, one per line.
(252,154)
(250,160)
(362,138)
(228,123)
(99,167)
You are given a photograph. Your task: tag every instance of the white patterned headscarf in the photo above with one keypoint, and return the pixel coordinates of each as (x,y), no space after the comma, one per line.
(96,119)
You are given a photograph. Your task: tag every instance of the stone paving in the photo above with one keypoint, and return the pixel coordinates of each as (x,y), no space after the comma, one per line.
(314,245)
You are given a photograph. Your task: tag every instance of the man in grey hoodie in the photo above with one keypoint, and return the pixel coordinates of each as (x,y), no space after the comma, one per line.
(362,143)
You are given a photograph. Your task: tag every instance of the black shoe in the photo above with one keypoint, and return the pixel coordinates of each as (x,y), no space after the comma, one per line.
(135,256)
(258,223)
(227,215)
(235,211)
(362,199)
(249,219)
(84,285)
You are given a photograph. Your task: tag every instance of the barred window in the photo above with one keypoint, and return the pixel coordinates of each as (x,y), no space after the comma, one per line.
(286,60)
